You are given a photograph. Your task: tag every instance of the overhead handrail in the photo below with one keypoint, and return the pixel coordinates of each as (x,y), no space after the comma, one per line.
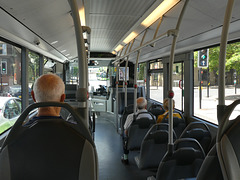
(166,34)
(171,93)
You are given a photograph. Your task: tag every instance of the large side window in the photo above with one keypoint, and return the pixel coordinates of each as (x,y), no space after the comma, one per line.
(156,81)
(10,81)
(33,71)
(206,82)
(178,85)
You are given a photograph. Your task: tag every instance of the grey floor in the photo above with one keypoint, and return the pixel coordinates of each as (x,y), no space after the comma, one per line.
(109,149)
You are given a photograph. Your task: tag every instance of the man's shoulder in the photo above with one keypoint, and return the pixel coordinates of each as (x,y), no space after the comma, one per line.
(36,118)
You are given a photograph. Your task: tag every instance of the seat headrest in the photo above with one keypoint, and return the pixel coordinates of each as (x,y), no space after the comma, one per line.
(159,136)
(187,155)
(197,133)
(143,123)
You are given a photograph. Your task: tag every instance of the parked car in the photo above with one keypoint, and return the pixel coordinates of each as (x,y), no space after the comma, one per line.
(16,91)
(10,110)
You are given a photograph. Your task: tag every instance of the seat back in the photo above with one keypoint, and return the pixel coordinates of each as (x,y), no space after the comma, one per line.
(126,112)
(156,109)
(48,149)
(179,124)
(153,147)
(210,168)
(200,132)
(185,161)
(137,130)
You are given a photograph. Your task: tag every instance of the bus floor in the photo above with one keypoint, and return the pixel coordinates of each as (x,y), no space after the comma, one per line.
(109,148)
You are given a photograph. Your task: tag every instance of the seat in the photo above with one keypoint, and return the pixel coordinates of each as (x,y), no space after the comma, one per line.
(126,112)
(228,144)
(178,124)
(153,147)
(137,131)
(49,149)
(156,110)
(184,162)
(200,132)
(210,169)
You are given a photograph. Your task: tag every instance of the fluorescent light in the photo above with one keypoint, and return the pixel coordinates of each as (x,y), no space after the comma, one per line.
(82,16)
(118,47)
(84,35)
(54,42)
(165,6)
(63,50)
(67,54)
(130,37)
(113,52)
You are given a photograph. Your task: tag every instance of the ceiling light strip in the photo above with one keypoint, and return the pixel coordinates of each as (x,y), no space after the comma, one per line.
(164,7)
(166,34)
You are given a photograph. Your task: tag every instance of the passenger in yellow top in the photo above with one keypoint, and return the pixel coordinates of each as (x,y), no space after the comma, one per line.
(165,106)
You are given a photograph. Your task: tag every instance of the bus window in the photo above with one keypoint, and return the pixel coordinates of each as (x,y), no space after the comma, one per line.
(178,71)
(156,81)
(206,82)
(10,82)
(33,70)
(142,71)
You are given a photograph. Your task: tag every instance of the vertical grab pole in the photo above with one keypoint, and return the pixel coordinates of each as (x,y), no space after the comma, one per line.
(174,33)
(124,78)
(221,80)
(117,81)
(126,65)
(222,56)
(136,76)
(82,61)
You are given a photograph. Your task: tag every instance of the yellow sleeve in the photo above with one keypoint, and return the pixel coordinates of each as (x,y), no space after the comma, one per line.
(177,115)
(160,118)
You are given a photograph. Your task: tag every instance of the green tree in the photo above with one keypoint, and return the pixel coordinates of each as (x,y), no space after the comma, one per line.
(232,57)
(141,73)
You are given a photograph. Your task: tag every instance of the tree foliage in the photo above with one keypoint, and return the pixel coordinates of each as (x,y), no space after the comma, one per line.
(232,57)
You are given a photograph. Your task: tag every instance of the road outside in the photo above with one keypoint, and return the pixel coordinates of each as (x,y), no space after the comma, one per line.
(209,104)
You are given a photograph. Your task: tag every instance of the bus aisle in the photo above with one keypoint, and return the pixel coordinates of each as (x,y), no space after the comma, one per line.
(109,149)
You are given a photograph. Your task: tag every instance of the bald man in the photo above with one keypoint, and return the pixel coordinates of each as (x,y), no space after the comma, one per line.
(47,88)
(142,108)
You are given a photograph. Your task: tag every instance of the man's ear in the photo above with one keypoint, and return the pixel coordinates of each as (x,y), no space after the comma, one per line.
(33,96)
(63,96)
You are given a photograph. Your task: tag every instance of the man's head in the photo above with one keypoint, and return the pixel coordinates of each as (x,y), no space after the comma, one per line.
(49,87)
(141,103)
(165,104)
